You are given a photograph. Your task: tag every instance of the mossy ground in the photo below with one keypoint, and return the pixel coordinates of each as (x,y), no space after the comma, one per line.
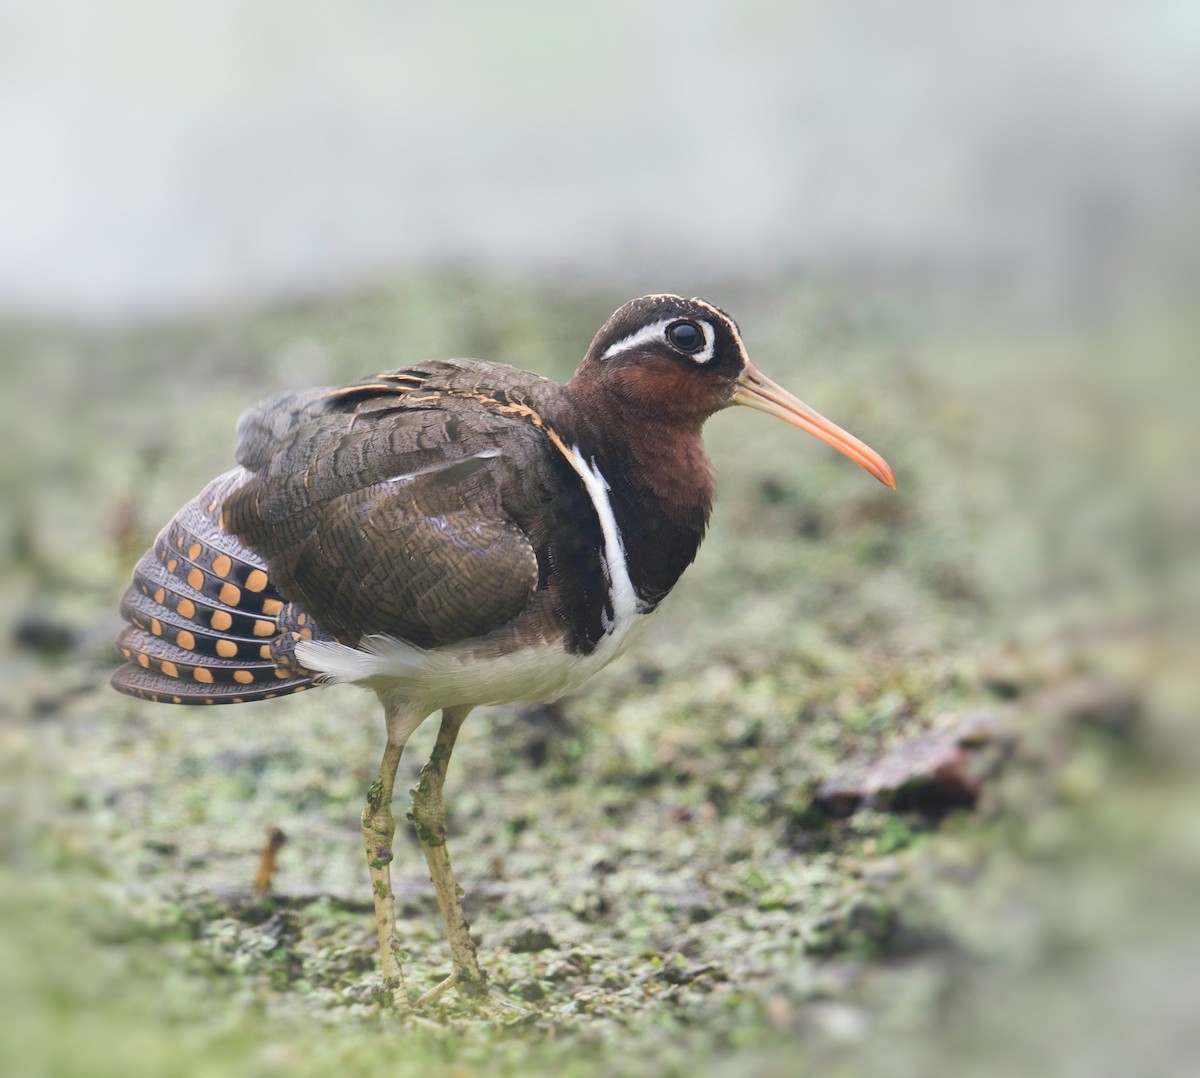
(645,862)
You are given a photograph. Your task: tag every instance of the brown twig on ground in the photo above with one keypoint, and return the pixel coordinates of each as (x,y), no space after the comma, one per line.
(266,864)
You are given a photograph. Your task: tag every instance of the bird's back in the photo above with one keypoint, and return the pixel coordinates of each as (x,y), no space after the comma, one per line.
(434,506)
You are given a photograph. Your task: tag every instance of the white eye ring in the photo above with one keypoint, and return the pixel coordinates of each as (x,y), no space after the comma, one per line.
(710,341)
(657,331)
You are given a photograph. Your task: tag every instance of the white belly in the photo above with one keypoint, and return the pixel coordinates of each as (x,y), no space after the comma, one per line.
(465,673)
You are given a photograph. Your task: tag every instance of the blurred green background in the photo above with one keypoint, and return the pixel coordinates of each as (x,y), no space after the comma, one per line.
(970,237)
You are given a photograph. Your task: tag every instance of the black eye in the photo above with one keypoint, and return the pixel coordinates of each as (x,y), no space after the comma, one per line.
(686,336)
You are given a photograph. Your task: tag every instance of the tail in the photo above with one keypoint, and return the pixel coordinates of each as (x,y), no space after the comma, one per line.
(206,624)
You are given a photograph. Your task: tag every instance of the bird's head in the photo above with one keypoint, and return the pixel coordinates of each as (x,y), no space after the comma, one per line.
(666,358)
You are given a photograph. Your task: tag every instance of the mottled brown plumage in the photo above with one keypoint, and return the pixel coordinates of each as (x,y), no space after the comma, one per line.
(448,534)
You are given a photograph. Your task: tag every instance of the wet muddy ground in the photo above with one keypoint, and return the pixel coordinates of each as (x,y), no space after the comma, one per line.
(894,783)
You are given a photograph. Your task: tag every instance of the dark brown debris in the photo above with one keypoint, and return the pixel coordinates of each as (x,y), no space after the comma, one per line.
(942,769)
(929,773)
(532,940)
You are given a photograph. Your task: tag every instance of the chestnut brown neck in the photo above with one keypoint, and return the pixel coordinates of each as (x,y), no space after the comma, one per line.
(660,479)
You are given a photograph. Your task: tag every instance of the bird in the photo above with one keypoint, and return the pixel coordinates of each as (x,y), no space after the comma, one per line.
(449,534)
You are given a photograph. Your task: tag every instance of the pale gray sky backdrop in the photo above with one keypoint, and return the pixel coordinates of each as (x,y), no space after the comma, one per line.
(162,159)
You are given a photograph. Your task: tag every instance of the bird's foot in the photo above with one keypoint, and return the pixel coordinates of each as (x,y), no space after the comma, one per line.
(436,992)
(401,1008)
(393,989)
(474,991)
(505,1011)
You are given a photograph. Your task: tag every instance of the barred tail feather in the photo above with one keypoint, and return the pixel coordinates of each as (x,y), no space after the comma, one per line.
(206,626)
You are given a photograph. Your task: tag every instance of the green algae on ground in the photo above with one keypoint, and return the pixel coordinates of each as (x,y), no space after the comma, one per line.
(657,862)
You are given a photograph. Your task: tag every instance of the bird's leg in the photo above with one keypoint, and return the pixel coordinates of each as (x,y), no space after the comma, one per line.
(428,814)
(378,828)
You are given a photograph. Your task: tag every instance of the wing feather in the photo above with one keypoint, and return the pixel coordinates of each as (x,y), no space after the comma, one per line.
(385,508)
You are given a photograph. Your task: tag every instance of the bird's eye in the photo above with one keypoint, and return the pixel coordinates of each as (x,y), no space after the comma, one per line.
(686,336)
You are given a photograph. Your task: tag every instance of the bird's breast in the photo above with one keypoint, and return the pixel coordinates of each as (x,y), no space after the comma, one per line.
(585,615)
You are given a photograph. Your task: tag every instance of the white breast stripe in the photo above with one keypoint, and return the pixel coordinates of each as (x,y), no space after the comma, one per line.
(470,673)
(620,588)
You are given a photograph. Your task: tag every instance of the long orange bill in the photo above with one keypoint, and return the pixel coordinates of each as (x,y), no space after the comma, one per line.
(756,390)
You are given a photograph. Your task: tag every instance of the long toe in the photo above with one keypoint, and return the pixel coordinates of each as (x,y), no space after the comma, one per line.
(487,1002)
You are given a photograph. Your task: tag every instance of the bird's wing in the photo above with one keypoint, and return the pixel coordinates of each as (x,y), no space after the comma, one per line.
(386,506)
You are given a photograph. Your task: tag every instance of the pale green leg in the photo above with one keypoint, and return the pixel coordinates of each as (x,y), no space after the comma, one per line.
(379,828)
(428,814)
